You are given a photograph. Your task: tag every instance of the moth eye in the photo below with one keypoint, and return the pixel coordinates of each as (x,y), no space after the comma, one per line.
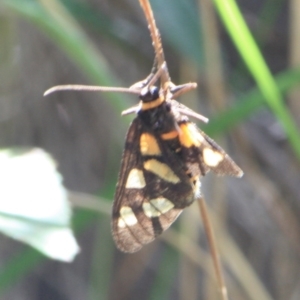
(149,94)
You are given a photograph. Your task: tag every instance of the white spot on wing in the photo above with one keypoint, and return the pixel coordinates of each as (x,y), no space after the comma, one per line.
(150,211)
(121,223)
(135,180)
(157,206)
(212,158)
(127,217)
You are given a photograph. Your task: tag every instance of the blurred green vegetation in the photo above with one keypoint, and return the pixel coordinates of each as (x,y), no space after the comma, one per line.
(180,22)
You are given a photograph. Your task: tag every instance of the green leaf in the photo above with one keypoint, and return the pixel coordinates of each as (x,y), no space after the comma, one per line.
(33,203)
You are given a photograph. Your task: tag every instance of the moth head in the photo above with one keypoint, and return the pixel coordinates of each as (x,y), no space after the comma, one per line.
(149,94)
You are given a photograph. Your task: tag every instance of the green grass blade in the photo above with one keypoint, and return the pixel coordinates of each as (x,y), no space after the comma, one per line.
(249,103)
(248,49)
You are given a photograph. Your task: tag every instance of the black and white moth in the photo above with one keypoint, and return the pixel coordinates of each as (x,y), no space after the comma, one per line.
(164,158)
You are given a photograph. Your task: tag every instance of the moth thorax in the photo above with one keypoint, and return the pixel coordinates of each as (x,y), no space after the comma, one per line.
(149,94)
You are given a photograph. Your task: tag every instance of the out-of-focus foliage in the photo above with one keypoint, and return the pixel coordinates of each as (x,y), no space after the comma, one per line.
(106,42)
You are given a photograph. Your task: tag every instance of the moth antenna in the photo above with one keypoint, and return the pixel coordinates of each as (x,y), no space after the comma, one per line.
(178,90)
(154,66)
(90,88)
(158,74)
(149,80)
(192,114)
(131,110)
(156,40)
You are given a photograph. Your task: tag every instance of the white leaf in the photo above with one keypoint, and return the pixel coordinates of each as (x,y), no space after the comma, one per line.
(33,203)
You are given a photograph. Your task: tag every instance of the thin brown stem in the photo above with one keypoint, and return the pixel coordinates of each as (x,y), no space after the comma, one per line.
(156,40)
(213,248)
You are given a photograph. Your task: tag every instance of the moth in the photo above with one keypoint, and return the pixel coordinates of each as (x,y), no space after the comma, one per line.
(165,155)
(164,158)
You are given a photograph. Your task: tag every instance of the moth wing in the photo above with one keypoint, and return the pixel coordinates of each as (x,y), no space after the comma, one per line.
(209,154)
(145,204)
(216,159)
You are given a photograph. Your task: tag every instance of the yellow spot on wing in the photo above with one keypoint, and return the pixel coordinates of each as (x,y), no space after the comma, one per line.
(127,217)
(135,180)
(148,145)
(150,211)
(157,206)
(161,170)
(212,158)
(189,135)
